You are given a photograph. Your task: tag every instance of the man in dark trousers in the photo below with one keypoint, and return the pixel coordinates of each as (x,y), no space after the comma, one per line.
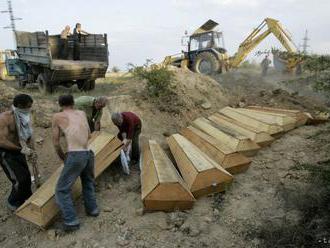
(77,34)
(15,126)
(265,65)
(129,125)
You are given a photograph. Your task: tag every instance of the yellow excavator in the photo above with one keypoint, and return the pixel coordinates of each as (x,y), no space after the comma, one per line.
(267,27)
(206,53)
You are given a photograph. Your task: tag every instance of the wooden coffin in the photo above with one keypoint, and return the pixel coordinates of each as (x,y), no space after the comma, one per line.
(260,137)
(286,122)
(231,138)
(230,160)
(202,175)
(41,207)
(162,186)
(301,117)
(250,121)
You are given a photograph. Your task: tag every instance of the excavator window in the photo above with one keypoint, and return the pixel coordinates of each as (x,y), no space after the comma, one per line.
(200,42)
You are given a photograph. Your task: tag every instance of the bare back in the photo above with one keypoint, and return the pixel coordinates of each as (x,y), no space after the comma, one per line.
(74,125)
(8,133)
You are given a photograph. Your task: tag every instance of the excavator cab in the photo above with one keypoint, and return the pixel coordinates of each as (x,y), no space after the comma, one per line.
(206,52)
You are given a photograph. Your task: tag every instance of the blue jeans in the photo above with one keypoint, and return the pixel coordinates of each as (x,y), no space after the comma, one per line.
(77,163)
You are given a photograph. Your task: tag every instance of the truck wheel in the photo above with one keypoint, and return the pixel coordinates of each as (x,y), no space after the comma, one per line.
(206,63)
(45,87)
(20,83)
(86,85)
(92,85)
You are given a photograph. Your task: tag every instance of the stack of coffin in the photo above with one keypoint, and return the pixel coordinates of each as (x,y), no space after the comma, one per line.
(41,207)
(162,186)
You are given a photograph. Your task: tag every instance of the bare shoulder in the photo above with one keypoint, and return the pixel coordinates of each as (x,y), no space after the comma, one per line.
(82,113)
(6,118)
(57,117)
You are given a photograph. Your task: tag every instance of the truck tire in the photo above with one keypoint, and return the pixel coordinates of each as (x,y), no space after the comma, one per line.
(20,83)
(92,85)
(206,63)
(86,85)
(45,86)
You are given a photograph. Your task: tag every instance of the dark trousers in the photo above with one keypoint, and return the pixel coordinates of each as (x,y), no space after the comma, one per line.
(136,143)
(76,50)
(64,52)
(77,164)
(16,169)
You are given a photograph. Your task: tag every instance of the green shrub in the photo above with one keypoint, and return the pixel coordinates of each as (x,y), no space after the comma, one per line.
(115,69)
(160,80)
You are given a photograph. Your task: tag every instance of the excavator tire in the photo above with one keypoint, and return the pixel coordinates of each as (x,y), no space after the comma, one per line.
(206,63)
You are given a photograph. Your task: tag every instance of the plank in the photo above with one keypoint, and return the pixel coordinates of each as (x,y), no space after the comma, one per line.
(231,161)
(260,137)
(286,122)
(202,175)
(41,207)
(301,117)
(250,121)
(162,186)
(230,138)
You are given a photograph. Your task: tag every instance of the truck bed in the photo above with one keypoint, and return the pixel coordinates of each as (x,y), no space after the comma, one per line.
(60,64)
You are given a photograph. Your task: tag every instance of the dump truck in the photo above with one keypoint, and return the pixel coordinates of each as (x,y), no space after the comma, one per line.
(39,61)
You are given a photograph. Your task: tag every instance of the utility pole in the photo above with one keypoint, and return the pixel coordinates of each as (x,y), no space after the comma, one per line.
(12,18)
(305,45)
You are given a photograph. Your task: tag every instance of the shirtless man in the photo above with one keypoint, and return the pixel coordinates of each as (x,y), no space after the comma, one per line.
(78,161)
(12,156)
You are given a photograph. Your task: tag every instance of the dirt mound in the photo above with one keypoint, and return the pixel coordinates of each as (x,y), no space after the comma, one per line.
(249,88)
(7,95)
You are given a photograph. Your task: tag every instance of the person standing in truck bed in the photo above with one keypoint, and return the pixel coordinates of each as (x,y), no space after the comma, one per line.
(93,108)
(63,53)
(77,34)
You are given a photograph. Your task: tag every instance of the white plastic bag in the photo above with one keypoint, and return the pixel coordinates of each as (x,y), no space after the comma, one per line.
(125,159)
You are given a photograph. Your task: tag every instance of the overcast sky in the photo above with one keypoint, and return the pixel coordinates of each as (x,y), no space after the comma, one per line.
(152,29)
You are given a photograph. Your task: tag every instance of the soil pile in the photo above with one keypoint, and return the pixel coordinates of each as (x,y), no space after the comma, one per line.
(247,87)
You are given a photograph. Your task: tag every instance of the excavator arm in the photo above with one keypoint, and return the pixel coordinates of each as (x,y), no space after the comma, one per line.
(273,26)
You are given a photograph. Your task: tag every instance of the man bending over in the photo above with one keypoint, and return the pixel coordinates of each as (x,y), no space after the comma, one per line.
(78,161)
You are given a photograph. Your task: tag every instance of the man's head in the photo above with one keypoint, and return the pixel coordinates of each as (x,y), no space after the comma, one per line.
(23,101)
(100,102)
(66,101)
(117,118)
(78,26)
(67,28)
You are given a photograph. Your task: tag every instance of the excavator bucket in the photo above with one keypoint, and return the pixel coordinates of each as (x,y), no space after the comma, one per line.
(207,26)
